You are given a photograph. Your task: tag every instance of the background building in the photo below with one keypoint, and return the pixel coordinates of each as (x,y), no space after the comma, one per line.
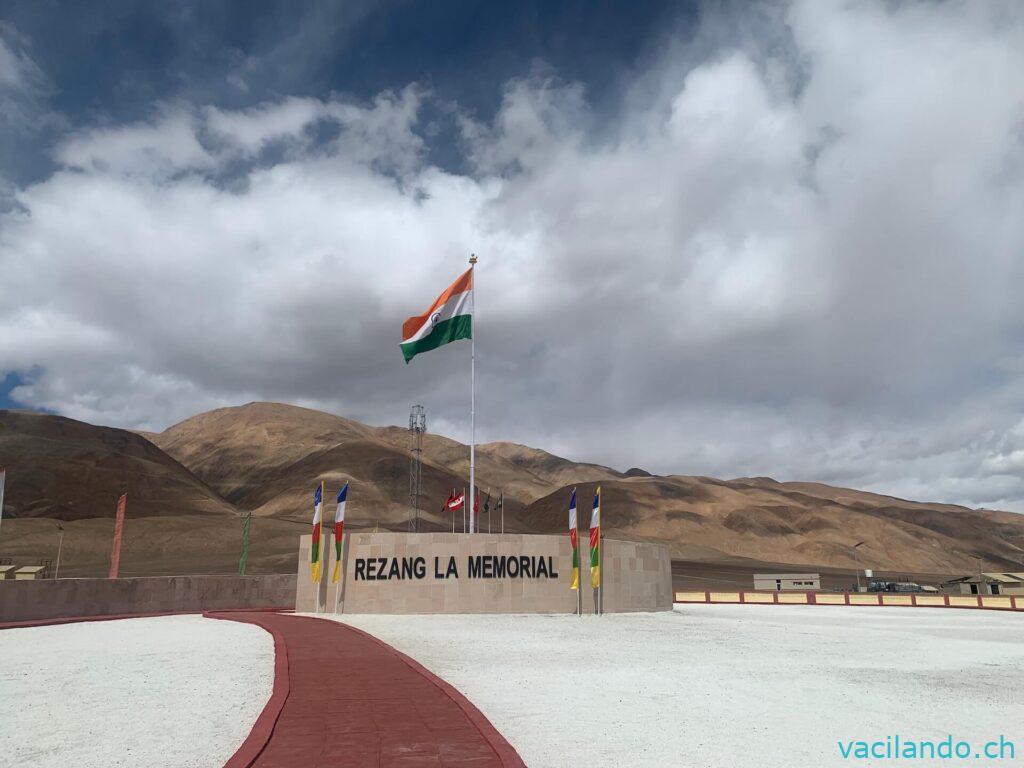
(780,582)
(987,584)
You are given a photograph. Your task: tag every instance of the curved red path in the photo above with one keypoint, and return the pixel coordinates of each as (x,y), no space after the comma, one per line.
(343,698)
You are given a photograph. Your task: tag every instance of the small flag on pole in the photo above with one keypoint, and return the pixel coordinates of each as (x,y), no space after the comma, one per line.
(244,559)
(454,502)
(115,549)
(339,529)
(314,551)
(595,541)
(574,540)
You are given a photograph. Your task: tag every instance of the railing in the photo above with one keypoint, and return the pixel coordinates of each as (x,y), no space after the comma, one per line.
(906,600)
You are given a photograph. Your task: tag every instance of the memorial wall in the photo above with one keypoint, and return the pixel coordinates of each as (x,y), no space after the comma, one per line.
(480,573)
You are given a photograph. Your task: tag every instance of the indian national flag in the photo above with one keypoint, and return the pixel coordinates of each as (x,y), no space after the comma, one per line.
(314,551)
(449,318)
(339,529)
(574,540)
(595,541)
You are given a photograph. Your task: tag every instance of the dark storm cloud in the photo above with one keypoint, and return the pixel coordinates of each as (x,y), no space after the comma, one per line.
(785,240)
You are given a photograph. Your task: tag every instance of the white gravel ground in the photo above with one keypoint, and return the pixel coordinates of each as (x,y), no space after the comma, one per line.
(720,685)
(162,692)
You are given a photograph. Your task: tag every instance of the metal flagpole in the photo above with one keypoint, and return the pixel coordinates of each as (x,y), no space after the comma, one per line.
(60,545)
(3,479)
(600,553)
(340,581)
(472,392)
(463,509)
(502,510)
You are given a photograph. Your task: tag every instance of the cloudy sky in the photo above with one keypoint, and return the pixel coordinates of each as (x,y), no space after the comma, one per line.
(724,239)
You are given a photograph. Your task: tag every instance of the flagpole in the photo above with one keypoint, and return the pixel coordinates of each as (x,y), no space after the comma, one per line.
(3,482)
(339,582)
(600,553)
(472,395)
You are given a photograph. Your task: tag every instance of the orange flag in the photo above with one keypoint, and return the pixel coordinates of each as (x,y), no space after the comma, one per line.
(115,552)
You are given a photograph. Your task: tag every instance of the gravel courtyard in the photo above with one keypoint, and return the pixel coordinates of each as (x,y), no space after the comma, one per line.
(721,685)
(163,692)
(703,685)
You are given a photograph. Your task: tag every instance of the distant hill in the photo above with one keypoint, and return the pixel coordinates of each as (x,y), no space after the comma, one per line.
(68,470)
(68,473)
(798,523)
(268,457)
(193,481)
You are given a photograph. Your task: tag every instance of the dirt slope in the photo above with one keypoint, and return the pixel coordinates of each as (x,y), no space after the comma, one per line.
(67,474)
(268,457)
(764,520)
(68,470)
(192,481)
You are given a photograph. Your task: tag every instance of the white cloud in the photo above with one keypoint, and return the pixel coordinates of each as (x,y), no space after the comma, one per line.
(803,263)
(18,72)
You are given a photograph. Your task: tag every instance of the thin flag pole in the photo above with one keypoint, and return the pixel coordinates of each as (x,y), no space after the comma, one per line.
(579,587)
(337,584)
(502,510)
(600,553)
(463,509)
(472,394)
(3,479)
(60,546)
(600,566)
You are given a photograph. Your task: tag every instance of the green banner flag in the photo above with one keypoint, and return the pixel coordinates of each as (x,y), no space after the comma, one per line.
(244,559)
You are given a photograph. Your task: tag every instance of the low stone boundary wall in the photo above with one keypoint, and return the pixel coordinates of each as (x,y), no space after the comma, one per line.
(63,598)
(991,602)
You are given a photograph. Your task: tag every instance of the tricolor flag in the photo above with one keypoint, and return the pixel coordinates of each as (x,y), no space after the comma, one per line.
(595,541)
(314,551)
(574,540)
(339,529)
(449,318)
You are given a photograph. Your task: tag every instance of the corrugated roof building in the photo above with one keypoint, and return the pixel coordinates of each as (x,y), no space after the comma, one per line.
(988,584)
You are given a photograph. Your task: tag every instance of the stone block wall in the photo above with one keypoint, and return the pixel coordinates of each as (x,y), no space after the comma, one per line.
(409,573)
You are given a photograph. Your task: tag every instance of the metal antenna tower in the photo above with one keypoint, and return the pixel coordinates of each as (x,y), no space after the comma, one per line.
(417,426)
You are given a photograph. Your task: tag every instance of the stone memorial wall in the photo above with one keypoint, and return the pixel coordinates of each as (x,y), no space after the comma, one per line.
(480,573)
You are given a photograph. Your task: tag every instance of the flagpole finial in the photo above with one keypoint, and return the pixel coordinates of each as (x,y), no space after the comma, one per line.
(472,258)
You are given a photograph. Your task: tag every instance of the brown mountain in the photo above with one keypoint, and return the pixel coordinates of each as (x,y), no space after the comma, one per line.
(67,474)
(267,458)
(702,518)
(68,470)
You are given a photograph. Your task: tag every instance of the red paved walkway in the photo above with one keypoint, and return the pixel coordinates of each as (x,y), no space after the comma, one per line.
(350,700)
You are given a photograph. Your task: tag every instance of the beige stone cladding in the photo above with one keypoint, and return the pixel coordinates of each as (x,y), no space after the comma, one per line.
(482,573)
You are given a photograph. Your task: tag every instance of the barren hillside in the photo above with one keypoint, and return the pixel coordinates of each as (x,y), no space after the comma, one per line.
(189,485)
